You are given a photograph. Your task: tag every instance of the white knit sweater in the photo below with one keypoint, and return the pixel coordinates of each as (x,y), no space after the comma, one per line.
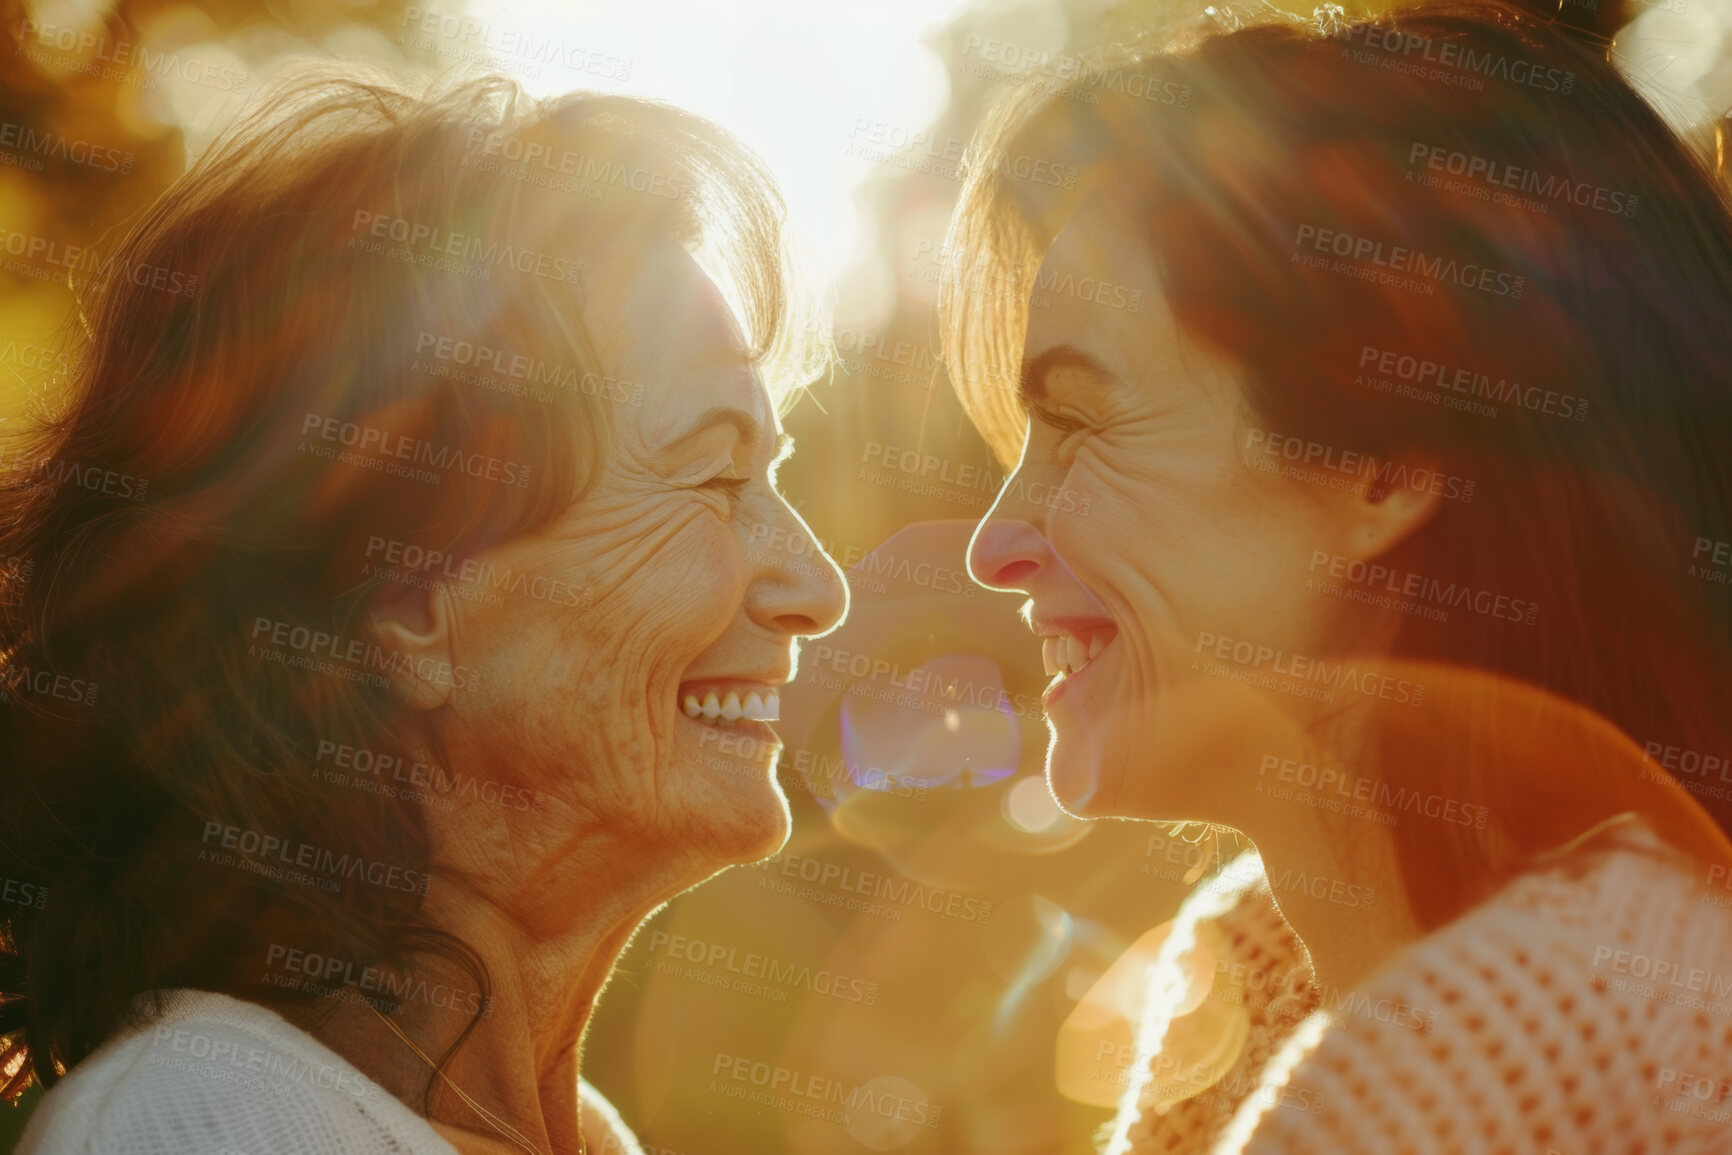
(218,1076)
(1586,1008)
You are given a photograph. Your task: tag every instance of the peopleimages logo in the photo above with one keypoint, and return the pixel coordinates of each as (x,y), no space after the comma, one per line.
(16,679)
(31,894)
(1252,658)
(226,1060)
(435,241)
(269,853)
(751,966)
(1384,796)
(43,358)
(51,473)
(316,973)
(1470,383)
(820,1097)
(1408,52)
(1400,259)
(447,570)
(1663,972)
(1500,178)
(98,56)
(54,146)
(920,688)
(357,653)
(517,50)
(358,762)
(490,360)
(817,769)
(1274,986)
(1223,1090)
(1088,71)
(495,150)
(1377,577)
(1347,468)
(979,276)
(364,439)
(46,259)
(882,888)
(929,467)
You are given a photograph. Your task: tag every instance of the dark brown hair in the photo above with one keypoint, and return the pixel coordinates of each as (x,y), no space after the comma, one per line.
(188,485)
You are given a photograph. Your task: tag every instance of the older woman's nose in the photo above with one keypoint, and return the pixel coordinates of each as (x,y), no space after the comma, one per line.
(1007,554)
(798,589)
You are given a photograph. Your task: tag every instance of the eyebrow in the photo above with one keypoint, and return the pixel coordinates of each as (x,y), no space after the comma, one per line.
(1031,390)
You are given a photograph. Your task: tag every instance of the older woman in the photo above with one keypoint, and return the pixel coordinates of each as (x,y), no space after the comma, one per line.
(1387,361)
(401,654)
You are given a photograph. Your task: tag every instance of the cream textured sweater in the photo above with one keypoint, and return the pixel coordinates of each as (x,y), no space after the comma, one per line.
(219,1076)
(1585,1009)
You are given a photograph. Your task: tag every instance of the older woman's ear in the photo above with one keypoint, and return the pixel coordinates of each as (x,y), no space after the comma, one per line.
(416,624)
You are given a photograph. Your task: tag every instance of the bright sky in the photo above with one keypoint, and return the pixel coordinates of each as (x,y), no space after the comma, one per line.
(793,78)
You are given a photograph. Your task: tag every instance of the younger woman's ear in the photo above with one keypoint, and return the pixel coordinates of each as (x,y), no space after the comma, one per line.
(415,624)
(1388,510)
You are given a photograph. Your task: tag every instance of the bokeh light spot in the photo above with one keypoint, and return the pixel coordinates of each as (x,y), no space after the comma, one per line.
(1030,807)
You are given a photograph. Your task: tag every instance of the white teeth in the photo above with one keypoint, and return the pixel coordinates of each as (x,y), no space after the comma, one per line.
(1049,655)
(1065,654)
(757,706)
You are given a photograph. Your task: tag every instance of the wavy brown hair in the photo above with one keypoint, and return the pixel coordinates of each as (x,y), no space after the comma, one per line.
(180,492)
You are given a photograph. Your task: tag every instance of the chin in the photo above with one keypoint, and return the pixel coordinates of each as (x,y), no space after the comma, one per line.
(751,829)
(771,834)
(1081,776)
(1074,787)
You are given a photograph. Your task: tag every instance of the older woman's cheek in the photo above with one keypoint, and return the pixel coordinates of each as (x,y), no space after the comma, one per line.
(665,600)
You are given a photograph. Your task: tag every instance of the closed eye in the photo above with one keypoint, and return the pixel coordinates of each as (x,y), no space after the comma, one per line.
(732,485)
(1054,418)
(1061,434)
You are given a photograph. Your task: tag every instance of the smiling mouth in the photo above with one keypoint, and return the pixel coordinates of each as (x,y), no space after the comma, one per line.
(1070,651)
(725,703)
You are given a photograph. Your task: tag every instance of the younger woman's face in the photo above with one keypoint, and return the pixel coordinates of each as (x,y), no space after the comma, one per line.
(1145,526)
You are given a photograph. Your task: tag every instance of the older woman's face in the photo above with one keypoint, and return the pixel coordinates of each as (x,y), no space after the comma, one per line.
(591,704)
(1165,539)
